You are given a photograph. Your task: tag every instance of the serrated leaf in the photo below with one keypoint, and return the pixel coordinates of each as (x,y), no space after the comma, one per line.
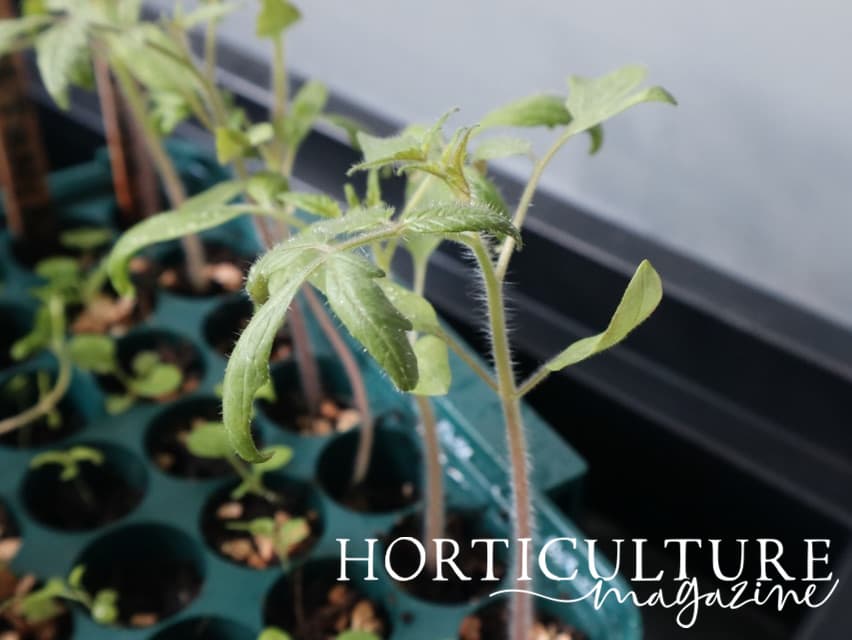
(641,297)
(363,308)
(279,457)
(61,52)
(318,204)
(204,211)
(484,190)
(502,147)
(86,238)
(248,367)
(455,217)
(433,363)
(275,16)
(592,101)
(306,107)
(535,111)
(209,440)
(93,352)
(162,380)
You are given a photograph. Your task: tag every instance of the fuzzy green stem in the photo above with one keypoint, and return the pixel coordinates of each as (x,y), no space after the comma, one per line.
(434,523)
(522,615)
(524,204)
(192,247)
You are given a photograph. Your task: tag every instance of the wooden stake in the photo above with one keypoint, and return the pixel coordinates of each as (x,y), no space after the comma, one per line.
(133,174)
(23,163)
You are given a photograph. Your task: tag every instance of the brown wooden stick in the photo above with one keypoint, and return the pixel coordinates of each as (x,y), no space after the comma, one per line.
(133,174)
(23,163)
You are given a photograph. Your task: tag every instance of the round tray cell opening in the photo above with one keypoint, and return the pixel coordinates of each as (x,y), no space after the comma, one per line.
(156,570)
(165,439)
(15,322)
(22,391)
(491,621)
(289,411)
(226,322)
(141,351)
(408,559)
(224,270)
(206,628)
(291,503)
(84,487)
(394,474)
(328,606)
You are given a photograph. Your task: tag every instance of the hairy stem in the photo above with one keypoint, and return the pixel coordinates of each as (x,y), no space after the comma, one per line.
(192,248)
(434,523)
(49,401)
(524,204)
(522,616)
(356,381)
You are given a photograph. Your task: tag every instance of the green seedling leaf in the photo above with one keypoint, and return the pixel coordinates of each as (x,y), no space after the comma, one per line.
(502,147)
(417,309)
(265,187)
(592,101)
(306,107)
(485,191)
(168,110)
(641,297)
(291,534)
(42,605)
(117,403)
(62,55)
(162,380)
(260,133)
(86,454)
(274,633)
(363,308)
(105,607)
(153,58)
(59,269)
(209,441)
(381,152)
(230,144)
(213,11)
(535,111)
(204,211)
(75,578)
(316,203)
(38,338)
(256,527)
(455,217)
(275,16)
(93,352)
(357,635)
(248,367)
(144,362)
(433,363)
(279,457)
(15,33)
(86,238)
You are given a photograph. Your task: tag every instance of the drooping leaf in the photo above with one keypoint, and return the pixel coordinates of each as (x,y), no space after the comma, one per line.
(592,101)
(93,352)
(248,367)
(209,441)
(275,16)
(433,364)
(455,217)
(363,308)
(641,297)
(306,107)
(318,204)
(62,52)
(417,309)
(204,211)
(535,111)
(502,147)
(91,455)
